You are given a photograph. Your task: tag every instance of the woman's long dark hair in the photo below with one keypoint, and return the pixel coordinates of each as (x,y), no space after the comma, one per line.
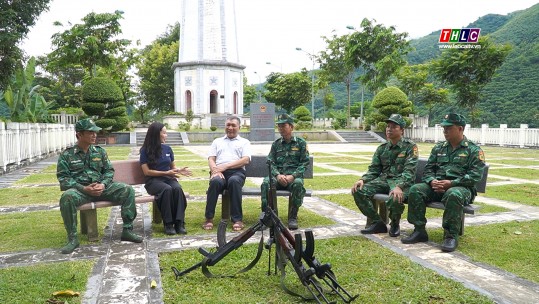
(152,143)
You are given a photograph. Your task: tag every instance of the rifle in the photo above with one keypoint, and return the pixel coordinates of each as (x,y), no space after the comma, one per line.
(289,249)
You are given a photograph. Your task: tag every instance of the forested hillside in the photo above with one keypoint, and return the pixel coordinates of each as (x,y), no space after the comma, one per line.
(513,95)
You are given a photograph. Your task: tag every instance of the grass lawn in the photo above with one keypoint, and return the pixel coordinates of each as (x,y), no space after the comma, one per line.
(331,182)
(29,196)
(491,179)
(515,162)
(523,173)
(36,283)
(361,167)
(522,193)
(362,267)
(39,178)
(117,152)
(511,246)
(318,169)
(39,229)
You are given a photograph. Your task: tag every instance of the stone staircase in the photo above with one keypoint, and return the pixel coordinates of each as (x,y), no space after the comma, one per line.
(173,138)
(358,136)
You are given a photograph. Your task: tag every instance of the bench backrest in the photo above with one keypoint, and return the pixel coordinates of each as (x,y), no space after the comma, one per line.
(422,162)
(258,167)
(128,171)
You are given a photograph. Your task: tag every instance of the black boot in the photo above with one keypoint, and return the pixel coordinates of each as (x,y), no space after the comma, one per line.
(449,244)
(394,227)
(419,235)
(169,229)
(377,227)
(179,226)
(394,230)
(72,244)
(129,236)
(293,217)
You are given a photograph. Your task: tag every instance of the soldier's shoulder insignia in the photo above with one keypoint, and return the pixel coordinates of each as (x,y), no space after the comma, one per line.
(96,159)
(481,155)
(415,151)
(295,148)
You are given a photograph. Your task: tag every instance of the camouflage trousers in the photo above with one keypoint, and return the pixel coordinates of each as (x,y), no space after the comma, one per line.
(454,199)
(365,203)
(116,192)
(296,188)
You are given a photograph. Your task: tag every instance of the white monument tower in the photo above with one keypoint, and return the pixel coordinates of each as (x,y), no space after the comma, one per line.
(208,78)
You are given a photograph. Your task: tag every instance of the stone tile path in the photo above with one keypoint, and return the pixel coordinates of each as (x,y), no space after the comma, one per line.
(124,271)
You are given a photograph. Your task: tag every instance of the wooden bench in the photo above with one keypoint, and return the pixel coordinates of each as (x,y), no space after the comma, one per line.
(380,199)
(125,171)
(259,168)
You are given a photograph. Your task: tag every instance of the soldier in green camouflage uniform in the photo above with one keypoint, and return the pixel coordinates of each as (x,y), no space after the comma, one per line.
(289,156)
(85,174)
(392,171)
(453,169)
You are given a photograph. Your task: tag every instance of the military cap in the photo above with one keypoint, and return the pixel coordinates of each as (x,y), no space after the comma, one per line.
(86,125)
(453,119)
(285,118)
(397,118)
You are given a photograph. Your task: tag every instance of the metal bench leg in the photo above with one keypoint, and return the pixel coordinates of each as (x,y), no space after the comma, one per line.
(463,216)
(156,214)
(381,208)
(88,220)
(225,211)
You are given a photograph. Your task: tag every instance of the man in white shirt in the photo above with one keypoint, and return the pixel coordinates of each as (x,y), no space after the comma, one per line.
(227,159)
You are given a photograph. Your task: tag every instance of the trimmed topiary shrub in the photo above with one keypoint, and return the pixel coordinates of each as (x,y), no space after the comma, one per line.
(103,98)
(389,101)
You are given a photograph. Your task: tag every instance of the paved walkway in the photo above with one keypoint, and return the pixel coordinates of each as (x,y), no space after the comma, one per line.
(123,271)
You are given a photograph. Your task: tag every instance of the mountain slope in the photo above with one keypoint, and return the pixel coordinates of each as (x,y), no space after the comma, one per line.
(513,95)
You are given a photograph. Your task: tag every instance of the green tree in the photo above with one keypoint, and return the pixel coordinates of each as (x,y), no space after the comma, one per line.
(379,51)
(90,44)
(413,82)
(156,73)
(329,99)
(103,98)
(468,70)
(16,19)
(288,91)
(23,98)
(249,95)
(333,63)
(431,96)
(390,100)
(63,84)
(412,78)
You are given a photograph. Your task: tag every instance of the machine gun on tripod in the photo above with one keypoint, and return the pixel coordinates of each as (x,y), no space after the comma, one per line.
(289,249)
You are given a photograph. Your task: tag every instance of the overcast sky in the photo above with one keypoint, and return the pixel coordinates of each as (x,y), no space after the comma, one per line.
(271,30)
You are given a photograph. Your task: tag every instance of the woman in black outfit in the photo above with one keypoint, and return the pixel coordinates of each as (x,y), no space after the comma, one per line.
(157,162)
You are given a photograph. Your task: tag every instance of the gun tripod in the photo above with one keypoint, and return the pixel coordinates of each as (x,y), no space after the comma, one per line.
(289,249)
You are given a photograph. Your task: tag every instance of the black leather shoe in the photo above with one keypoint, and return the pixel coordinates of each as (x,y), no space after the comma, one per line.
(394,230)
(293,224)
(449,244)
(378,227)
(416,237)
(179,227)
(169,229)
